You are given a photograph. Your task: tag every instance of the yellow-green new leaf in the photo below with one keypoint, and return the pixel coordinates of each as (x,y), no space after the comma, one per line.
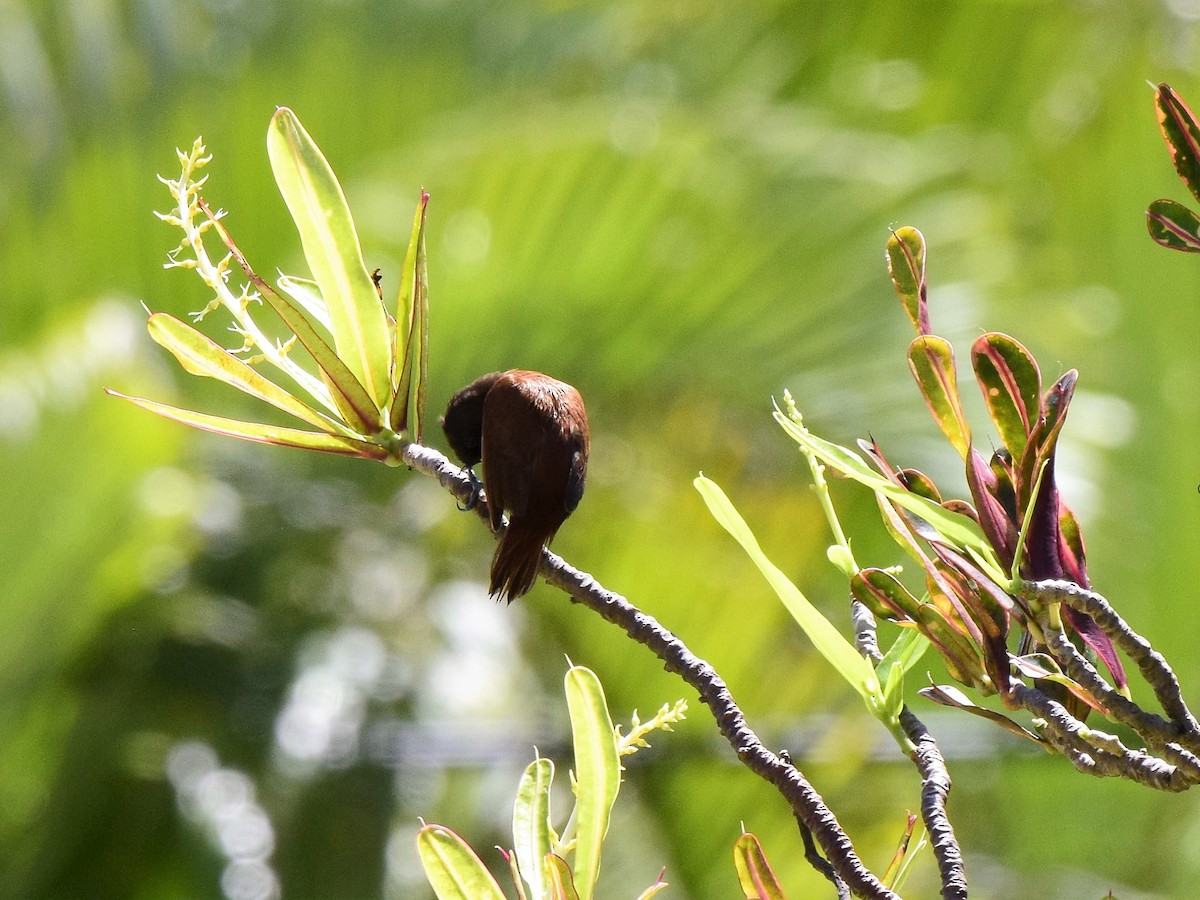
(906,651)
(353,400)
(315,199)
(654,890)
(906,265)
(828,640)
(954,528)
(931,360)
(260,433)
(754,872)
(200,355)
(532,832)
(411,353)
(452,868)
(561,886)
(597,773)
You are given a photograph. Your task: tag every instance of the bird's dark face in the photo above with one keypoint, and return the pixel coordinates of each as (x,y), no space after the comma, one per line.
(463,420)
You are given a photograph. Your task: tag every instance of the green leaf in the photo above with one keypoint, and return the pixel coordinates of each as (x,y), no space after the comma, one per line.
(1182,134)
(906,651)
(957,650)
(883,594)
(597,773)
(532,831)
(315,199)
(561,885)
(918,482)
(263,434)
(1011,385)
(452,868)
(1174,226)
(906,265)
(954,528)
(347,392)
(901,862)
(931,360)
(754,872)
(828,640)
(411,352)
(653,891)
(200,355)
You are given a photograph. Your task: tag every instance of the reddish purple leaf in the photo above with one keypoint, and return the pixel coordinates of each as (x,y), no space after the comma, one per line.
(1182,133)
(993,517)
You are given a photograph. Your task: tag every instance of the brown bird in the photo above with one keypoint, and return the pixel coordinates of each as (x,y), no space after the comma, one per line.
(531,433)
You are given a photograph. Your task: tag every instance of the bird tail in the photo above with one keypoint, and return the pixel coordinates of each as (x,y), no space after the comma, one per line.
(515,564)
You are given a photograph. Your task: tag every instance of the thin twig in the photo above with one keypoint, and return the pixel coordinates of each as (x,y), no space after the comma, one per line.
(935,777)
(812,853)
(935,787)
(807,805)
(865,639)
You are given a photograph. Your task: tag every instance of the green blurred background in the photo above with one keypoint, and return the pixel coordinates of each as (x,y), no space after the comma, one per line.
(236,671)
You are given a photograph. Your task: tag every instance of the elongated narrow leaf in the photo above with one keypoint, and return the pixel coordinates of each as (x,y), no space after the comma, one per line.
(896,866)
(960,654)
(1092,635)
(561,885)
(754,872)
(1043,442)
(931,360)
(263,434)
(200,355)
(1041,667)
(1011,385)
(990,494)
(318,207)
(953,528)
(952,632)
(944,593)
(828,640)
(349,395)
(1056,401)
(654,890)
(906,265)
(895,878)
(411,356)
(532,832)
(1071,547)
(988,607)
(597,773)
(948,695)
(452,868)
(1181,131)
(1174,226)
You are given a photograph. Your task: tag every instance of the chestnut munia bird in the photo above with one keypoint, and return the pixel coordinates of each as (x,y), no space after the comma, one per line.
(531,433)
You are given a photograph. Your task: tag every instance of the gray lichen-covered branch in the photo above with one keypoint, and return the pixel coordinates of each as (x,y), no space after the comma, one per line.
(806,803)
